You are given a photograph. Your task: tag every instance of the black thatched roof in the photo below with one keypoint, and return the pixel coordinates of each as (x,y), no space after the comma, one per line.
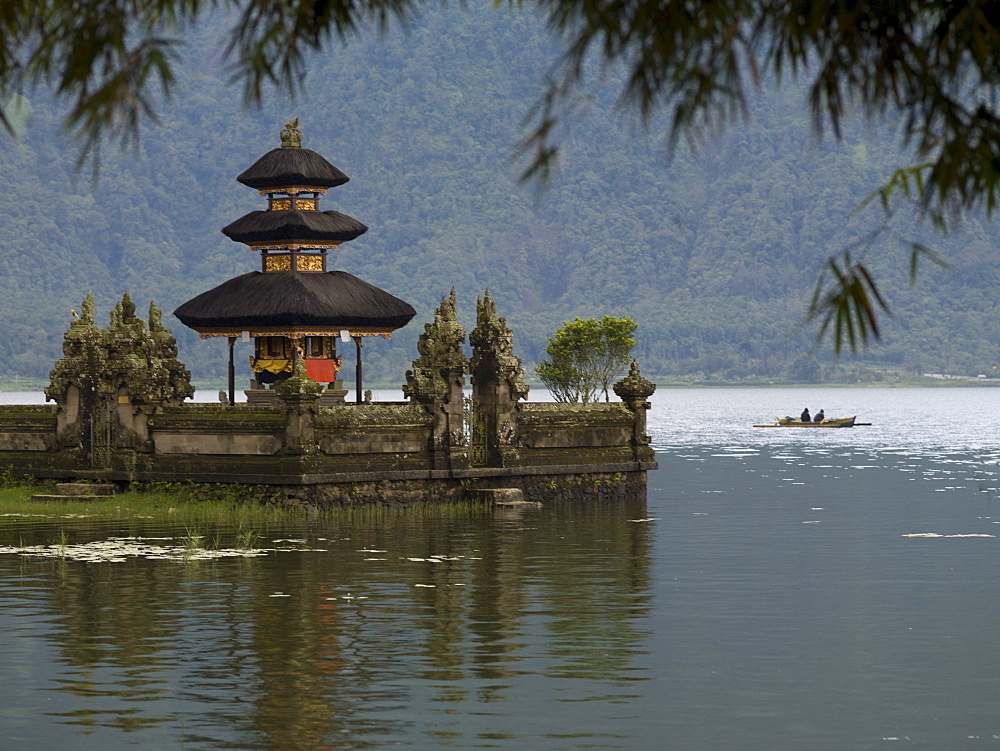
(334,299)
(285,168)
(276,226)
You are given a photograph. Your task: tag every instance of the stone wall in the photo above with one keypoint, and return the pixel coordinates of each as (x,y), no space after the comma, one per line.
(365,443)
(543,488)
(27,428)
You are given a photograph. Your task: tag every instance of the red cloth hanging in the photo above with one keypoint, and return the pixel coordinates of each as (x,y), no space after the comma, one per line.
(321,371)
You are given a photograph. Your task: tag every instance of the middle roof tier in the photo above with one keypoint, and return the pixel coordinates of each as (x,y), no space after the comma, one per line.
(270,227)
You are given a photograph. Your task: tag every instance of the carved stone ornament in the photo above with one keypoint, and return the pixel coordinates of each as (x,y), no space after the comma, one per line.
(299,385)
(634,389)
(441,351)
(508,435)
(88,308)
(155,318)
(127,355)
(492,349)
(291,136)
(128,307)
(84,357)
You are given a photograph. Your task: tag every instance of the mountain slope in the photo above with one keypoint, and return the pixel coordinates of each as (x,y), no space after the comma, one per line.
(714,253)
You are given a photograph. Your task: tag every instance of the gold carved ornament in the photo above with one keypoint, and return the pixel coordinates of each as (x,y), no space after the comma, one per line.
(292,245)
(278,263)
(237,333)
(309,263)
(280,204)
(318,347)
(292,190)
(305,204)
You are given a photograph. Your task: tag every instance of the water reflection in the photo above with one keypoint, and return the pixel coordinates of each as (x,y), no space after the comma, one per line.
(395,624)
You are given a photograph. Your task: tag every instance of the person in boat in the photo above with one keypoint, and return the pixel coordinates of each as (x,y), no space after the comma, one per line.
(805,416)
(819,416)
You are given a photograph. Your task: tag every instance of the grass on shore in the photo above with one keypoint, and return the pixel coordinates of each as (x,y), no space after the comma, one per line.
(16,500)
(232,506)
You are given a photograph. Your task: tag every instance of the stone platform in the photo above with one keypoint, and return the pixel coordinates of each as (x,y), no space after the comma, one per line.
(120,417)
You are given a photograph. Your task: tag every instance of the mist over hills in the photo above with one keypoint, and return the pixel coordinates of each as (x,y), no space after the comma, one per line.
(714,254)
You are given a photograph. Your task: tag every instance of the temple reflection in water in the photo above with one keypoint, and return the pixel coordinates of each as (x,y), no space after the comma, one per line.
(390,621)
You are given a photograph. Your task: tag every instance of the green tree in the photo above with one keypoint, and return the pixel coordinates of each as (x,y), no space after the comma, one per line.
(929,65)
(614,350)
(585,356)
(565,370)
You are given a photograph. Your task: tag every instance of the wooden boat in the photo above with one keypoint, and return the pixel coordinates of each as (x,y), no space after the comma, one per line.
(791,422)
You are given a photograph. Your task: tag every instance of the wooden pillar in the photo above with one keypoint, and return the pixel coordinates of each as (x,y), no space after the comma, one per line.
(357,369)
(232,373)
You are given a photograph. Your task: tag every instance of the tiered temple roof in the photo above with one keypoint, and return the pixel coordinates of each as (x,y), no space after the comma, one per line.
(293,294)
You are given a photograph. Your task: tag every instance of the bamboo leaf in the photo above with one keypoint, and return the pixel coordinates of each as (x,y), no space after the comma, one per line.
(852,303)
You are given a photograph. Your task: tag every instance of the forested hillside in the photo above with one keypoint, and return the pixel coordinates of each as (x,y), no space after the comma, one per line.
(714,254)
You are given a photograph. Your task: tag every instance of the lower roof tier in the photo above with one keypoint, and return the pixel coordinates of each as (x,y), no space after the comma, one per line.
(295,300)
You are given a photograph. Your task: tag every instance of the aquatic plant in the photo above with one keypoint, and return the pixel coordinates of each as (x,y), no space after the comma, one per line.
(192,539)
(121,549)
(246,539)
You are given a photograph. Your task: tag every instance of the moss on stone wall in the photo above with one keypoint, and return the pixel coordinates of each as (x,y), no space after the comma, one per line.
(567,420)
(366,416)
(600,487)
(576,409)
(28,416)
(215,418)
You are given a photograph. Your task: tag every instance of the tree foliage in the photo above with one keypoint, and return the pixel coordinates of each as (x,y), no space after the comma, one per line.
(614,351)
(585,356)
(565,371)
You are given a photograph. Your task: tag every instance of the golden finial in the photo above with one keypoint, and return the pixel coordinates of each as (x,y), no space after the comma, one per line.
(291,136)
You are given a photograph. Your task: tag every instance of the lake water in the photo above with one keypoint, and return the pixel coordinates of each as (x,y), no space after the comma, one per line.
(779,589)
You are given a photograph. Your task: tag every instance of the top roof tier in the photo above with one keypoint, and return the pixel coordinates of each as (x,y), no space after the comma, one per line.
(291,166)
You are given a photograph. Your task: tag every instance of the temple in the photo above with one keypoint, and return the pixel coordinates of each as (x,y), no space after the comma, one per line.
(294,307)
(121,414)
